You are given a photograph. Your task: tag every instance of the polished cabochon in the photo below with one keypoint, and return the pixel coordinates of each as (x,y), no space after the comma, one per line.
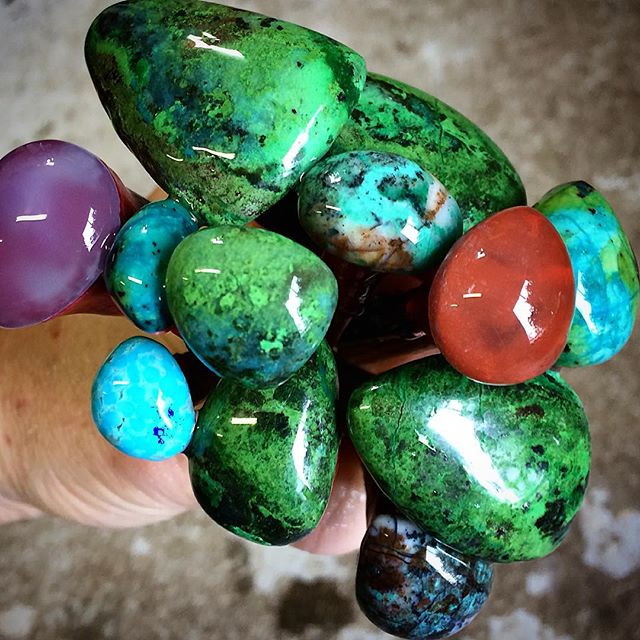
(496,472)
(262,461)
(59,217)
(251,304)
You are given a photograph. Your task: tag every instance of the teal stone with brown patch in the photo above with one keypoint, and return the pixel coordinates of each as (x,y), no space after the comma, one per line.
(395,118)
(262,462)
(378,210)
(495,472)
(225,108)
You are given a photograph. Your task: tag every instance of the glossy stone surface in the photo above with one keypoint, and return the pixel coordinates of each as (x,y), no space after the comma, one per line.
(412,586)
(502,301)
(60,214)
(137,265)
(262,462)
(495,472)
(140,401)
(251,304)
(394,117)
(605,271)
(378,210)
(225,108)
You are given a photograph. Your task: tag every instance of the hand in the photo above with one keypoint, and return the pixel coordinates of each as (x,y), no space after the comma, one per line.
(54,461)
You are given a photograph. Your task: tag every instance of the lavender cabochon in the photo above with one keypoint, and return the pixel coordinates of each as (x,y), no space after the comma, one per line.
(59,214)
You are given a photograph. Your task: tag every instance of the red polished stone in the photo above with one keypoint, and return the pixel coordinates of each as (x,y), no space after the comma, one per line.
(502,301)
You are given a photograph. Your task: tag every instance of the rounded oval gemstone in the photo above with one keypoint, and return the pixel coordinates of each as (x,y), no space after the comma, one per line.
(412,586)
(605,271)
(394,117)
(251,304)
(262,462)
(60,215)
(495,472)
(225,108)
(136,268)
(501,303)
(378,210)
(140,401)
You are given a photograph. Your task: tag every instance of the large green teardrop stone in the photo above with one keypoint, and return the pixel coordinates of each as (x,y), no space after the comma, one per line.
(225,108)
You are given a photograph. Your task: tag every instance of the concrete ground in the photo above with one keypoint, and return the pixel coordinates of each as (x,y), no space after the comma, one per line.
(557,85)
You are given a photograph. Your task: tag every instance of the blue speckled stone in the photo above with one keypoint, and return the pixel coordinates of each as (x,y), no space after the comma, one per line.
(140,401)
(411,585)
(378,210)
(137,264)
(605,271)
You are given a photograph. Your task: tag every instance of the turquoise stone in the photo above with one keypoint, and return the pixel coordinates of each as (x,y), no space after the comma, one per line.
(605,271)
(140,401)
(262,461)
(251,304)
(495,472)
(224,108)
(396,118)
(412,586)
(378,210)
(137,264)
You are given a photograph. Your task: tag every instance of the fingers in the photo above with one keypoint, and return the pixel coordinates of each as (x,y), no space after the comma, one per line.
(53,460)
(157,194)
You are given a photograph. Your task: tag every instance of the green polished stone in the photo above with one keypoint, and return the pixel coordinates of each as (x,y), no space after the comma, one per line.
(396,118)
(262,462)
(251,304)
(495,472)
(225,108)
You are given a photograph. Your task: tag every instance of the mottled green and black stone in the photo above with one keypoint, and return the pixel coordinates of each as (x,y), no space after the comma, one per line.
(495,472)
(225,108)
(396,118)
(262,462)
(251,304)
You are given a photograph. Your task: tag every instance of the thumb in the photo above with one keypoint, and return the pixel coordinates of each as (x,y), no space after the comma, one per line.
(52,457)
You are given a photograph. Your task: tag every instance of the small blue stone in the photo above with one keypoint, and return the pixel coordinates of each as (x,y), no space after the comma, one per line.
(411,585)
(140,401)
(137,264)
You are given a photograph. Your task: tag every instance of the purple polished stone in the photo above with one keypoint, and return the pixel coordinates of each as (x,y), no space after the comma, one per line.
(59,215)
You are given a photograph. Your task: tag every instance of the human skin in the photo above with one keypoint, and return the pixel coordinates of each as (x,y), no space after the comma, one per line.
(53,461)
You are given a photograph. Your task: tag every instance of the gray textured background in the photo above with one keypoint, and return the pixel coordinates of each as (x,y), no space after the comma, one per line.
(557,85)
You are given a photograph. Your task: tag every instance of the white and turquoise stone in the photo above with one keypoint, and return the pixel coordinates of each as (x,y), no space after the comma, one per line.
(137,264)
(605,271)
(378,210)
(140,401)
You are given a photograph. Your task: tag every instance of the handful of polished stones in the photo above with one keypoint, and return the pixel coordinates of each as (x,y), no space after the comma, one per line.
(413,256)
